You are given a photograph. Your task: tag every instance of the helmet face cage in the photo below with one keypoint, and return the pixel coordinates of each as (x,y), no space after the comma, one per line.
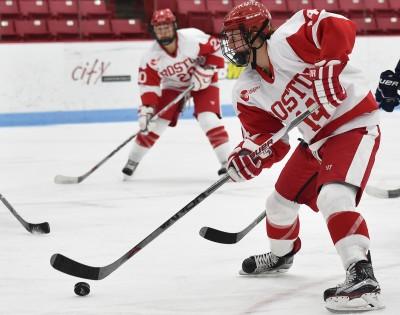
(236,45)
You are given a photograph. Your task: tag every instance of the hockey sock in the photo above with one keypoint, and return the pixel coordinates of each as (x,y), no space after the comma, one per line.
(216,134)
(144,142)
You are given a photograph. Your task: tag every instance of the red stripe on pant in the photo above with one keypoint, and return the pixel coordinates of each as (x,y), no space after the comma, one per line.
(283,232)
(346,223)
(148,140)
(217,136)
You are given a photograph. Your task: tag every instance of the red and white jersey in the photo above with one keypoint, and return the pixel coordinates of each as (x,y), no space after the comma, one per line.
(161,70)
(265,102)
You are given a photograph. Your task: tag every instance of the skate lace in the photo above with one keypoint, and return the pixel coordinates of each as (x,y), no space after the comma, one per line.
(351,275)
(268,259)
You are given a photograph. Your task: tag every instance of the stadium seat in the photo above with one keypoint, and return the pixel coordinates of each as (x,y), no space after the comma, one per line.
(191,6)
(365,25)
(64,8)
(34,8)
(377,5)
(93,9)
(236,2)
(32,28)
(296,5)
(193,13)
(219,7)
(394,5)
(217,24)
(163,4)
(275,6)
(279,20)
(352,5)
(96,28)
(201,22)
(7,30)
(328,5)
(128,28)
(64,28)
(389,23)
(9,9)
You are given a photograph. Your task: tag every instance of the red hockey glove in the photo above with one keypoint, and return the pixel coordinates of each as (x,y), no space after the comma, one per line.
(241,166)
(328,91)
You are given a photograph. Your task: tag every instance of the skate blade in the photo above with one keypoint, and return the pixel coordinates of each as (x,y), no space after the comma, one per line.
(263,274)
(343,305)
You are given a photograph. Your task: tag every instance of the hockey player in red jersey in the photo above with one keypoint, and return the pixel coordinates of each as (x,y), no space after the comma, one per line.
(306,60)
(177,59)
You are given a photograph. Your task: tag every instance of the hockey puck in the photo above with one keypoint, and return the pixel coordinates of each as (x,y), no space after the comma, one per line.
(82,288)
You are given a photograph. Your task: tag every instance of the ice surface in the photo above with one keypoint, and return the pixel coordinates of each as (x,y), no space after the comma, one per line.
(97,221)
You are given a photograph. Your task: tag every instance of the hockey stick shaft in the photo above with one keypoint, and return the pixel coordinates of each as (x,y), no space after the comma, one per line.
(77,269)
(61,179)
(73,268)
(42,228)
(223,237)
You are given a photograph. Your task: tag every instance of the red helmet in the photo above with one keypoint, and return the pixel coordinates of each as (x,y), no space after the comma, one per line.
(249,15)
(163,16)
(242,26)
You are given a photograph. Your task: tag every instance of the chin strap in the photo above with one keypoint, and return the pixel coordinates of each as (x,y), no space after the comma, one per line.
(263,38)
(254,61)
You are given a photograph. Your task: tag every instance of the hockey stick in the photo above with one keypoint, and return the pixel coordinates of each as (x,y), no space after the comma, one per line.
(62,179)
(222,237)
(74,268)
(382,193)
(40,228)
(77,269)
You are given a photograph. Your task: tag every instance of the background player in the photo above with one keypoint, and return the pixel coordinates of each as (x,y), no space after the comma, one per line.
(304,61)
(177,59)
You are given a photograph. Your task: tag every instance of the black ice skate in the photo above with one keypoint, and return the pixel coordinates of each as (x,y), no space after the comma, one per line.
(130,167)
(269,263)
(359,292)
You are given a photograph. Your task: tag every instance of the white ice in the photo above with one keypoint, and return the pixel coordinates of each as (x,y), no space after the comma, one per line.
(97,221)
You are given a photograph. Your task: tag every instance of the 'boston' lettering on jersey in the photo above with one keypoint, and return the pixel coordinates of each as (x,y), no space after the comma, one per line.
(178,67)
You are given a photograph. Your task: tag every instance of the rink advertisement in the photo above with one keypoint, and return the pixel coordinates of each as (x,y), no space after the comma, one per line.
(100,78)
(74,76)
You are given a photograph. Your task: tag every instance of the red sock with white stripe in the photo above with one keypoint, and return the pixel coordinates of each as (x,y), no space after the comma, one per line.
(282,237)
(347,227)
(144,142)
(349,233)
(216,134)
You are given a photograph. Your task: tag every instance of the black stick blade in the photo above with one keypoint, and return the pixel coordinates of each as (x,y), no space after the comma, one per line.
(395,193)
(39,228)
(74,268)
(218,236)
(382,193)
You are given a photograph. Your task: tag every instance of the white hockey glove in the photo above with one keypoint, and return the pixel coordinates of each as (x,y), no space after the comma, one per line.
(201,77)
(146,112)
(328,90)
